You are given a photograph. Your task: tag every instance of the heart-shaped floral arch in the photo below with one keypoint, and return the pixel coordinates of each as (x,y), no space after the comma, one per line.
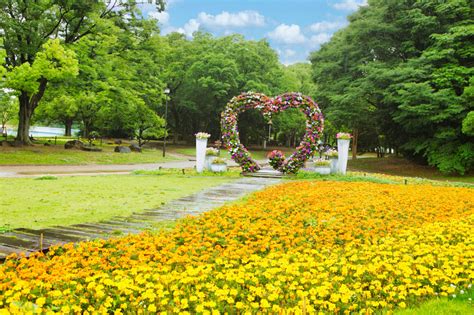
(269,106)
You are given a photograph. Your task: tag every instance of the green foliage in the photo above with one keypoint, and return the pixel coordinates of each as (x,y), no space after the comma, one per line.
(468,124)
(46,177)
(35,33)
(205,72)
(290,126)
(148,125)
(8,109)
(407,92)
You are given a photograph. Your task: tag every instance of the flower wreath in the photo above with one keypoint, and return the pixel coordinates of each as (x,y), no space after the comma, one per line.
(269,106)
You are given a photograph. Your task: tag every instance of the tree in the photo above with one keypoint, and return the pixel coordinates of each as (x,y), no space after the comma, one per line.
(148,125)
(53,62)
(33,58)
(412,91)
(468,124)
(204,73)
(290,125)
(8,109)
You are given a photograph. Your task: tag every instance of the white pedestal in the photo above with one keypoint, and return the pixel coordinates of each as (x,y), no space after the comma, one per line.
(333,165)
(343,152)
(201,145)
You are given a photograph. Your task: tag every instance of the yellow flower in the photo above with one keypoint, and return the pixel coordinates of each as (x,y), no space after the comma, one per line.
(40,301)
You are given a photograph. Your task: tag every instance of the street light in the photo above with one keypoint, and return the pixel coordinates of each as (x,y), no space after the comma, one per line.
(167,92)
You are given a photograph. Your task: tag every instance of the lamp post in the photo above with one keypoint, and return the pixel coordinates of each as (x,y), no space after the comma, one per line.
(167,92)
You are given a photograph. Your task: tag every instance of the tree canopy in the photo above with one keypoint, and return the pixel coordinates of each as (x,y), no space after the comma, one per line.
(402,71)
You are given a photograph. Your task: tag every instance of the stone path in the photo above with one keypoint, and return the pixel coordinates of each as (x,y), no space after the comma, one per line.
(28,240)
(92,169)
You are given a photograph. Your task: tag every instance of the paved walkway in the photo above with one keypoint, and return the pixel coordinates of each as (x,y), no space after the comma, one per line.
(28,240)
(92,169)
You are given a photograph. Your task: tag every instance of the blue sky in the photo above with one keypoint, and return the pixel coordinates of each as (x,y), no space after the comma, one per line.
(293,28)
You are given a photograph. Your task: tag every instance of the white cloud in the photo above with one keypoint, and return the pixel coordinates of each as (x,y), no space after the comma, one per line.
(222,20)
(288,53)
(288,34)
(349,5)
(162,17)
(226,19)
(190,27)
(319,39)
(170,3)
(325,26)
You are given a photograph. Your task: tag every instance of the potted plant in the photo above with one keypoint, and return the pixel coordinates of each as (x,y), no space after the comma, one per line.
(211,154)
(276,159)
(201,144)
(333,157)
(218,165)
(343,140)
(322,166)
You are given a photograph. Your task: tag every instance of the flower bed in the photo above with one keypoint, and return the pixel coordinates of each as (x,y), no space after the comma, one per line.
(269,106)
(301,246)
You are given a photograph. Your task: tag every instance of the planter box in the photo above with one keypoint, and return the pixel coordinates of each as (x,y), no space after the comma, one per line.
(323,170)
(217,168)
(209,159)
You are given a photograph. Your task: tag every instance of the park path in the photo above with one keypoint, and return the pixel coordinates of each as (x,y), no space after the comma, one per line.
(95,169)
(28,241)
(89,169)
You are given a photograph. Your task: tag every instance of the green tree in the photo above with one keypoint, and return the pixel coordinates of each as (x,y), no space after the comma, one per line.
(468,124)
(412,91)
(204,73)
(32,58)
(148,125)
(8,109)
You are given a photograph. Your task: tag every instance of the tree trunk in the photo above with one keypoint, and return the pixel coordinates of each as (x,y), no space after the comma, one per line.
(24,119)
(140,137)
(355,138)
(68,127)
(27,107)
(4,128)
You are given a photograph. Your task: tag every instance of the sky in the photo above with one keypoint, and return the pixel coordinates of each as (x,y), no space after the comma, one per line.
(293,28)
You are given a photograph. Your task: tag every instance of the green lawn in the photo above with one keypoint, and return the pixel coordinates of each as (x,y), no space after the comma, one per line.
(459,304)
(34,203)
(57,155)
(403,167)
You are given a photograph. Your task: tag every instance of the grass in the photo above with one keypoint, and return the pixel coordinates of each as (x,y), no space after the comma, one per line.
(31,203)
(460,304)
(403,167)
(350,177)
(57,155)
(375,178)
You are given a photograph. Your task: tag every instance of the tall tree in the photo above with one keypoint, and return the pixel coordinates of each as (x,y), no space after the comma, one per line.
(408,84)
(8,109)
(27,28)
